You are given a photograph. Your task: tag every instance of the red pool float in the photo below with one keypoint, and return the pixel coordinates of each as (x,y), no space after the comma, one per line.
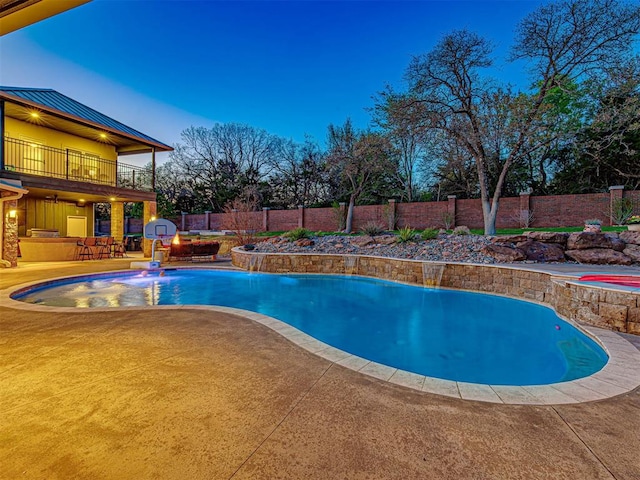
(626,280)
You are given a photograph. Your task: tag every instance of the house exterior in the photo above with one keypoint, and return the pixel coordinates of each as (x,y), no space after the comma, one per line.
(65,157)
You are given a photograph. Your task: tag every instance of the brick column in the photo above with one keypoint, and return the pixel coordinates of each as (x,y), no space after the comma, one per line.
(391,217)
(300,216)
(183,225)
(10,232)
(525,209)
(207,220)
(117,221)
(451,209)
(265,219)
(616,193)
(149,210)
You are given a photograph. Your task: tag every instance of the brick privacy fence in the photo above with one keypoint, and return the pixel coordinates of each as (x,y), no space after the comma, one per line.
(544,211)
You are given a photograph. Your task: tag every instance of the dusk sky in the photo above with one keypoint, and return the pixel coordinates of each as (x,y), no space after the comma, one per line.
(289,67)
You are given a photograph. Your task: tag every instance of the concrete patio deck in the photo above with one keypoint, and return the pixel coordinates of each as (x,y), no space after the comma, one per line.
(194,394)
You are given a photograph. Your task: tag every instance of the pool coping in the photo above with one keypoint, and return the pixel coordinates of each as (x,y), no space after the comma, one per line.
(620,375)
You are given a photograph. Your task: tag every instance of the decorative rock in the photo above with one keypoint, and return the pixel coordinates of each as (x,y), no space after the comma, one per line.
(361,241)
(549,237)
(509,239)
(503,253)
(304,242)
(630,237)
(587,240)
(599,256)
(385,239)
(542,252)
(632,251)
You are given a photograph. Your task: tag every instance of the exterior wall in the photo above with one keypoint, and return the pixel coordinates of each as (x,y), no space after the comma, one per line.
(45,213)
(548,211)
(54,138)
(42,151)
(606,308)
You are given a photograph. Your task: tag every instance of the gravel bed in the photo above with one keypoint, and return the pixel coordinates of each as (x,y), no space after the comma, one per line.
(446,247)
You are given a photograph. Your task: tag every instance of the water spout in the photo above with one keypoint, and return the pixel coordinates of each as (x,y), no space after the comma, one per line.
(432,274)
(255,262)
(350,265)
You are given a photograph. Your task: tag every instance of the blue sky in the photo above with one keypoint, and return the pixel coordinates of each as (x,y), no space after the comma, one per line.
(289,67)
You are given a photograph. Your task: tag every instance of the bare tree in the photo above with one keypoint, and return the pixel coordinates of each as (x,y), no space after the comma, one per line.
(360,159)
(562,42)
(398,115)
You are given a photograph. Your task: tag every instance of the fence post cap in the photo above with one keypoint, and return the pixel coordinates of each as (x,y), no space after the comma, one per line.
(616,187)
(452,197)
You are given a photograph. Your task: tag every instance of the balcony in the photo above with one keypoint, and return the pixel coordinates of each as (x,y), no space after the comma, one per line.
(36,159)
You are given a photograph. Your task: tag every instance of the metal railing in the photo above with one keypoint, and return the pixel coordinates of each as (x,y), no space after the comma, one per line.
(42,160)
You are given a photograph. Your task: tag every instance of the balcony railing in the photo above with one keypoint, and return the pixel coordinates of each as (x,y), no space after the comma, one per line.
(37,159)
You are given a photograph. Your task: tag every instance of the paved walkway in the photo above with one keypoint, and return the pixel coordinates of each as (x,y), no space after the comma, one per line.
(195,394)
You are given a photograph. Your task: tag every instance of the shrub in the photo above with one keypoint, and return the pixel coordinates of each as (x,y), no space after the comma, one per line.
(593,221)
(372,229)
(429,233)
(298,233)
(621,210)
(461,230)
(447,219)
(406,234)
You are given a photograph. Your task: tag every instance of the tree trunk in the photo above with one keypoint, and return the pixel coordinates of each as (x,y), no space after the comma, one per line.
(352,204)
(489,214)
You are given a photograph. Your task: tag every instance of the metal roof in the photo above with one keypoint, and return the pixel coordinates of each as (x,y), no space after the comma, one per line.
(55,102)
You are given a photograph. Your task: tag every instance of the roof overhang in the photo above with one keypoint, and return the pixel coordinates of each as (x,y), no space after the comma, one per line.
(12,186)
(16,14)
(125,143)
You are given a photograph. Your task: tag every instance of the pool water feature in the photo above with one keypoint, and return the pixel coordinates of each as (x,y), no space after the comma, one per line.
(454,335)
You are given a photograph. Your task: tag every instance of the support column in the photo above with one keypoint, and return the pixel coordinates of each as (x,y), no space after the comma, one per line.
(149,210)
(265,219)
(10,232)
(391,216)
(117,221)
(300,216)
(616,193)
(207,220)
(525,209)
(183,223)
(451,210)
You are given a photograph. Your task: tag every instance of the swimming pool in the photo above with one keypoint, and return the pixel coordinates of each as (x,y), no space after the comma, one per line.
(446,334)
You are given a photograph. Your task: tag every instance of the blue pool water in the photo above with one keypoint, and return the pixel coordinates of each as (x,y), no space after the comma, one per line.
(447,334)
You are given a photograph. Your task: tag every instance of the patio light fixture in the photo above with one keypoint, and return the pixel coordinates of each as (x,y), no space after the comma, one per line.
(13,214)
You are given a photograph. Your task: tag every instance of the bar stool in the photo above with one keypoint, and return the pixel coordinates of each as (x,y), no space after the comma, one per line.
(83,251)
(103,248)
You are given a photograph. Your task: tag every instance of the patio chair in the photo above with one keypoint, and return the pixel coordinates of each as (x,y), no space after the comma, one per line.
(83,250)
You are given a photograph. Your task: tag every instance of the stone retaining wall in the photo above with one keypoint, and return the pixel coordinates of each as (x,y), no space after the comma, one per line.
(602,307)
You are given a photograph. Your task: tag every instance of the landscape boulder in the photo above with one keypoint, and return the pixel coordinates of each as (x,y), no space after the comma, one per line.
(599,256)
(504,253)
(632,251)
(630,237)
(362,241)
(542,252)
(385,239)
(509,239)
(589,240)
(559,238)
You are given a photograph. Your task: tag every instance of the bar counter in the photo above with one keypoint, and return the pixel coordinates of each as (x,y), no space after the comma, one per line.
(58,249)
